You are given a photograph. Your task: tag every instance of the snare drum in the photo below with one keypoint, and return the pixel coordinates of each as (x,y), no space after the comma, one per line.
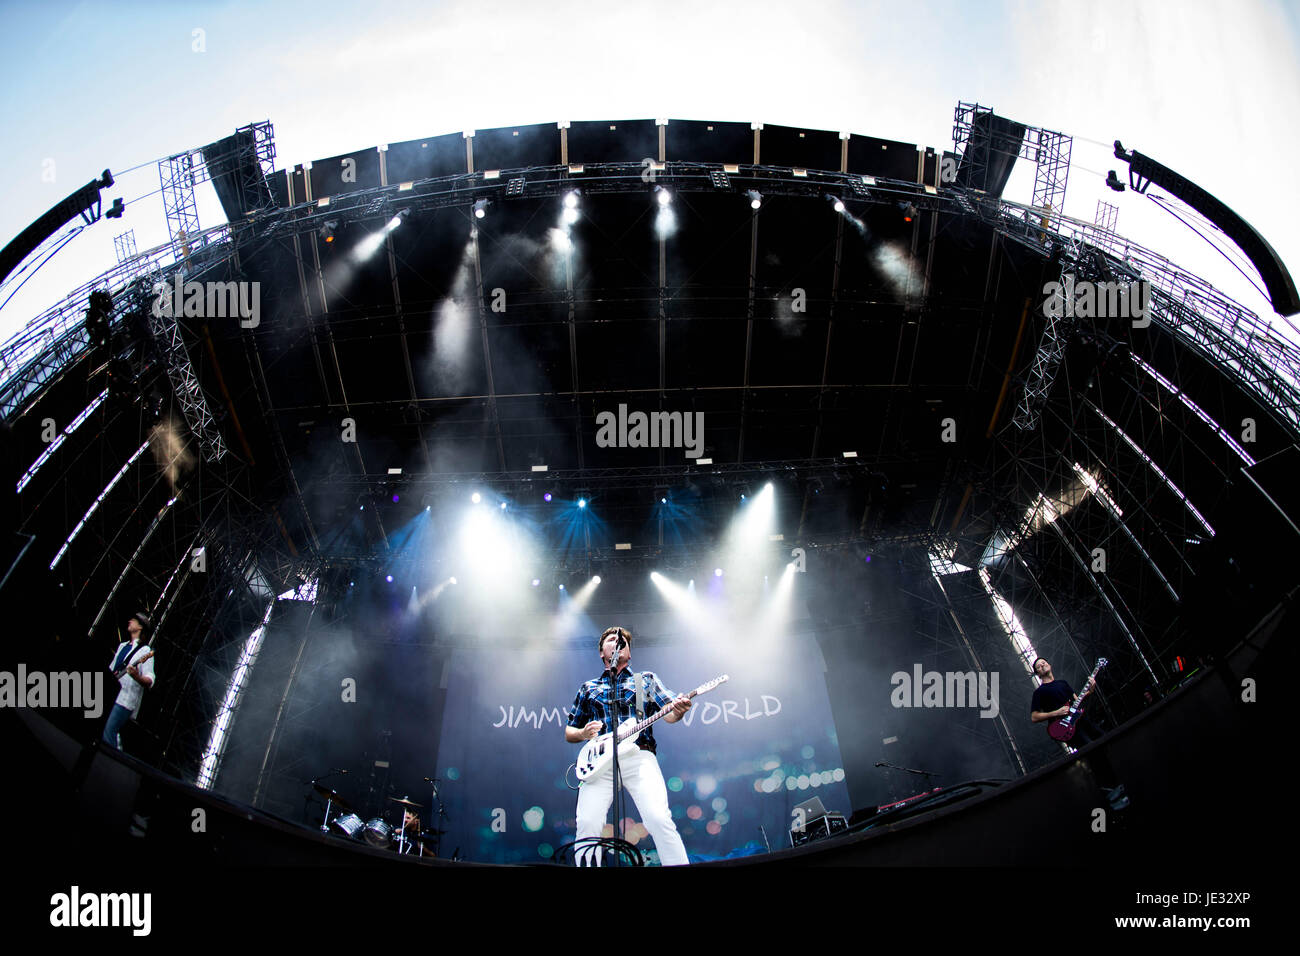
(378,833)
(350,824)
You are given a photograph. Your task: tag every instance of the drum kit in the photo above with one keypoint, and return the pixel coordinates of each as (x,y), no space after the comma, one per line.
(407,837)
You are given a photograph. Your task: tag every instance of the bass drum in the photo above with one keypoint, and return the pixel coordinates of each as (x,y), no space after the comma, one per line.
(378,833)
(350,824)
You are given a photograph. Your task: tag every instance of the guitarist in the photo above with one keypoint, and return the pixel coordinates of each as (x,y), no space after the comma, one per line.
(593,711)
(1052,699)
(133,674)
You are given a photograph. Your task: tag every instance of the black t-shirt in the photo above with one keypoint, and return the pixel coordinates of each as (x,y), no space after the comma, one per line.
(1051,696)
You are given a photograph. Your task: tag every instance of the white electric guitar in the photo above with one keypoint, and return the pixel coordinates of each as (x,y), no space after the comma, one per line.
(597,754)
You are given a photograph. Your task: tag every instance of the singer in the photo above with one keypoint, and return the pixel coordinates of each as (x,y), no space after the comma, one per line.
(593,710)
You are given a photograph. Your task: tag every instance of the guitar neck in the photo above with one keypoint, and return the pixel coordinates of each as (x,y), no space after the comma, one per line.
(642,725)
(1086,689)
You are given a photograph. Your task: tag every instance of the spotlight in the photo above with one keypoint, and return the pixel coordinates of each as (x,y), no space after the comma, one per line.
(582,502)
(561,587)
(570,216)
(663,501)
(909,211)
(560,240)
(536,581)
(476,497)
(663,196)
(399,218)
(717,572)
(480,208)
(839,205)
(327,230)
(428,507)
(571,200)
(503,506)
(388,578)
(596,579)
(453,581)
(546,497)
(395,499)
(755,198)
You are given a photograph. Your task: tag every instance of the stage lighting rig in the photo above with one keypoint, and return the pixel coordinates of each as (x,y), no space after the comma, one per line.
(480,208)
(755,198)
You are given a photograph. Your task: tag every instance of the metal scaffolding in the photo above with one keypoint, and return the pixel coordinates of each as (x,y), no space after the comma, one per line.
(1047,149)
(180,174)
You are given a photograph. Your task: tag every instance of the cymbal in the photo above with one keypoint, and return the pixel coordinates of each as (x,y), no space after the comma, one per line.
(333,795)
(406,803)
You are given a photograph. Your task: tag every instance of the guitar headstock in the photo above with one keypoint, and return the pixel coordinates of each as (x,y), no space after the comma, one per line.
(705,688)
(1102,662)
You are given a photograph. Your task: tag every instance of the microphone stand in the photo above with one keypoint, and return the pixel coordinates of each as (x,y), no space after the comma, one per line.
(616,697)
(441,818)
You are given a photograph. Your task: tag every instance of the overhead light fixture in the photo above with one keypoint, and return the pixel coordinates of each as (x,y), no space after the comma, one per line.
(663,196)
(571,199)
(491,174)
(327,230)
(837,203)
(755,198)
(480,208)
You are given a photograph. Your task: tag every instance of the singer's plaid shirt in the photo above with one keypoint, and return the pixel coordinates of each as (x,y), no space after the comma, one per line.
(595,699)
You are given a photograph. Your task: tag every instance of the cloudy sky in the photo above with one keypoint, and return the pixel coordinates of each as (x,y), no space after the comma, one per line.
(1210,89)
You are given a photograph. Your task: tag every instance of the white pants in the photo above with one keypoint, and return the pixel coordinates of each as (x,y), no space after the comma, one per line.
(643,780)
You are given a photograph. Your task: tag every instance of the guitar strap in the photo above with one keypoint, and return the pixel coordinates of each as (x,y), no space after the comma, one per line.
(130,658)
(639,683)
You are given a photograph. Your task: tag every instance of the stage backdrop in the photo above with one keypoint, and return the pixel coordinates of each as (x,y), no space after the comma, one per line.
(744,756)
